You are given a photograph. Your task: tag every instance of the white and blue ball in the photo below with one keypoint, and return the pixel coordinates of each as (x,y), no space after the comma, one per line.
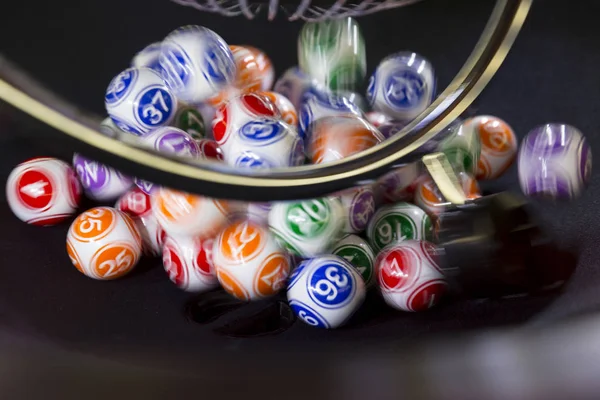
(148,57)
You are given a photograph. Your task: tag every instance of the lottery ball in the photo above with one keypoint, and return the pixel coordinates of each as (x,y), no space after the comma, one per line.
(357,99)
(359,206)
(148,57)
(184,214)
(292,84)
(391,128)
(189,263)
(100,182)
(333,53)
(555,161)
(285,107)
(357,252)
(409,276)
(377,118)
(170,140)
(307,228)
(430,199)
(208,114)
(191,121)
(138,100)
(402,86)
(396,223)
(462,147)
(43,191)
(250,264)
(104,243)
(399,184)
(138,206)
(337,137)
(196,63)
(210,149)
(325,291)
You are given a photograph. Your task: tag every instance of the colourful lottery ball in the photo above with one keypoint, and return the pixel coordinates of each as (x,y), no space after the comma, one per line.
(462,147)
(555,161)
(377,118)
(191,121)
(100,182)
(337,137)
(397,223)
(399,184)
(210,149)
(189,263)
(43,191)
(430,199)
(357,252)
(409,276)
(292,84)
(402,86)
(285,107)
(325,291)
(148,57)
(307,228)
(196,63)
(359,206)
(250,264)
(138,100)
(138,206)
(104,243)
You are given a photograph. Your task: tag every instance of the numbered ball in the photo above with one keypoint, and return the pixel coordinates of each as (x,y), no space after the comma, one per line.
(184,214)
(148,57)
(137,100)
(462,147)
(399,184)
(145,186)
(397,223)
(170,140)
(189,263)
(307,228)
(43,191)
(138,206)
(250,264)
(357,252)
(285,107)
(402,86)
(430,199)
(409,276)
(210,149)
(191,121)
(325,291)
(555,161)
(100,182)
(392,128)
(104,243)
(359,206)
(377,118)
(292,84)
(196,63)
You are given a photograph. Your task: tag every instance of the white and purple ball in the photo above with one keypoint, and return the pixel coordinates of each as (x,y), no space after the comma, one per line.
(148,57)
(359,207)
(100,182)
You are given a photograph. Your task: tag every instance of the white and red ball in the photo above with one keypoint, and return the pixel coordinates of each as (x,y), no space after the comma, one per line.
(189,263)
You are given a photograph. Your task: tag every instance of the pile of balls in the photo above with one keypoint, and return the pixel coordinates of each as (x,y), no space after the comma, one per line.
(194,96)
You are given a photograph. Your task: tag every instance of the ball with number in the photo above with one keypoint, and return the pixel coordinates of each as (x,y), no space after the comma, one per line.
(138,100)
(357,252)
(555,161)
(396,223)
(210,149)
(190,120)
(430,199)
(285,107)
(138,206)
(359,206)
(196,63)
(399,184)
(307,228)
(104,243)
(148,57)
(171,140)
(100,182)
(292,84)
(189,263)
(249,262)
(325,291)
(409,275)
(43,191)
(402,86)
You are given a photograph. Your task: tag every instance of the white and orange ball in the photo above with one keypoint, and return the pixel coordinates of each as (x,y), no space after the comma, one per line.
(104,243)
(189,263)
(285,107)
(430,199)
(250,264)
(100,182)
(138,205)
(43,191)
(337,137)
(185,214)
(409,275)
(498,145)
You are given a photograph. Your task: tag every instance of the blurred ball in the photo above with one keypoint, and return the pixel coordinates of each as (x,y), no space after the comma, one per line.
(100,182)
(377,118)
(399,184)
(285,107)
(359,206)
(43,191)
(325,291)
(191,121)
(210,149)
(357,252)
(189,263)
(292,84)
(430,199)
(462,147)
(148,57)
(391,128)
(108,128)
(555,161)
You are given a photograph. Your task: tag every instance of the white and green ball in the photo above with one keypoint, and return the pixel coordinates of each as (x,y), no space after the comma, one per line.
(357,252)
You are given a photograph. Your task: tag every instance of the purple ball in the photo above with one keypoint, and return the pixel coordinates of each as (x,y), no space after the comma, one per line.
(100,182)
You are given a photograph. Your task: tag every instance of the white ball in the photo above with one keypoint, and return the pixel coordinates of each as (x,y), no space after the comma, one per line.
(250,264)
(196,63)
(104,243)
(43,191)
(189,263)
(100,182)
(138,100)
(325,291)
(148,57)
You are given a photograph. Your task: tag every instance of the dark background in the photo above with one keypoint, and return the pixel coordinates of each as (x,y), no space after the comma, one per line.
(76,47)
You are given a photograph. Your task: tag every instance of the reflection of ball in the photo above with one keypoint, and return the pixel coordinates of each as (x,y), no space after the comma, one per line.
(99,181)
(555,161)
(357,252)
(396,223)
(409,275)
(359,207)
(170,140)
(325,291)
(250,264)
(307,228)
(189,263)
(43,191)
(402,86)
(137,100)
(104,243)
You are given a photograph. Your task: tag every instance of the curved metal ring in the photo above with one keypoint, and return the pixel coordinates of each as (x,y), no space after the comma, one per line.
(216,180)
